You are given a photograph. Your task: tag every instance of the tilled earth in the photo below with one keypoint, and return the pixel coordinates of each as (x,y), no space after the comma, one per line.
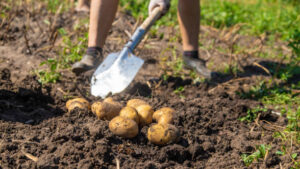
(36,131)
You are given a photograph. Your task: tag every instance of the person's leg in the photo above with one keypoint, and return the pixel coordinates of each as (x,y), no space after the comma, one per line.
(102,15)
(189,22)
(83,5)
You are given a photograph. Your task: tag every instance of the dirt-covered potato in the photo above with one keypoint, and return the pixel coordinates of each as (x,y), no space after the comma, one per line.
(106,110)
(162,134)
(109,100)
(130,113)
(124,127)
(80,103)
(145,113)
(135,103)
(164,115)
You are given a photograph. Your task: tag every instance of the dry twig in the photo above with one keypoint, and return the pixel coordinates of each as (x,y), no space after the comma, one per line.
(30,156)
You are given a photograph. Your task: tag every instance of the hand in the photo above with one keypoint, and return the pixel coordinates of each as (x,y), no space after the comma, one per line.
(165,4)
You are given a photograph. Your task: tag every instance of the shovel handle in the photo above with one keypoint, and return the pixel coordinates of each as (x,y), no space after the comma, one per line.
(152,18)
(142,29)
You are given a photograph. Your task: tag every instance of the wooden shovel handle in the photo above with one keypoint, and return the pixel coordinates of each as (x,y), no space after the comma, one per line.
(155,14)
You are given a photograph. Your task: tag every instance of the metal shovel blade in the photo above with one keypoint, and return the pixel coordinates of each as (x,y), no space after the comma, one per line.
(115,73)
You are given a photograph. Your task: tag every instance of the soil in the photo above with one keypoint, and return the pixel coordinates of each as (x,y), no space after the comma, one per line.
(34,120)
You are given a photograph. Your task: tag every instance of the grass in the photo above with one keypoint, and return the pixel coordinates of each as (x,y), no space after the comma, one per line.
(278,17)
(282,96)
(258,16)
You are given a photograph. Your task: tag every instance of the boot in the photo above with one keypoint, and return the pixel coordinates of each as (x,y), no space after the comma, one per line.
(87,62)
(198,65)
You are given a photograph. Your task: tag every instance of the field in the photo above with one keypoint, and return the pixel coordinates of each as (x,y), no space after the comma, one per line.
(246,117)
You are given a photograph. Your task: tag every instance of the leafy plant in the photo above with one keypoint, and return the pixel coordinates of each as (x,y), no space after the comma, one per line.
(179,91)
(260,153)
(49,76)
(252,114)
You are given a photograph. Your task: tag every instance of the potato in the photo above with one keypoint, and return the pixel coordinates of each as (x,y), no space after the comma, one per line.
(109,100)
(162,134)
(80,103)
(105,110)
(130,113)
(135,103)
(145,113)
(124,127)
(164,115)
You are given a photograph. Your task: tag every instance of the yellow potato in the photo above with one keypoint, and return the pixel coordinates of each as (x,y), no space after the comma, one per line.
(80,103)
(162,134)
(123,127)
(106,110)
(109,100)
(130,113)
(135,103)
(145,113)
(164,115)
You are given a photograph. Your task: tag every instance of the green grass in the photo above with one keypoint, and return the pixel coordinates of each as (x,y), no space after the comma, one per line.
(139,8)
(281,97)
(278,17)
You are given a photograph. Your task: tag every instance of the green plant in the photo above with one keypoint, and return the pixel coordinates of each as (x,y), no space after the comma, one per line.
(139,8)
(49,76)
(260,153)
(252,114)
(179,91)
(54,5)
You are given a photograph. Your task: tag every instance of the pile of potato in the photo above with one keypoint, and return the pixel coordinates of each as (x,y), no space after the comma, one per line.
(125,121)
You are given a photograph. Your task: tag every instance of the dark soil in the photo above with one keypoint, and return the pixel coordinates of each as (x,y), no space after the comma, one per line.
(34,120)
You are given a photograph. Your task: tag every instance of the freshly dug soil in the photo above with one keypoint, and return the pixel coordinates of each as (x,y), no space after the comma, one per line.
(34,120)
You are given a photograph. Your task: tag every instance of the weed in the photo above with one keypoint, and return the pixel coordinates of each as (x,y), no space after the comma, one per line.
(49,76)
(260,153)
(232,69)
(252,114)
(179,91)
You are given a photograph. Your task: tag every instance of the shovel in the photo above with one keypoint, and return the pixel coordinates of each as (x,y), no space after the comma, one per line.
(117,70)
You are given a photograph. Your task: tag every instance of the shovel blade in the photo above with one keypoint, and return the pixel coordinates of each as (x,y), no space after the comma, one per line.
(115,74)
